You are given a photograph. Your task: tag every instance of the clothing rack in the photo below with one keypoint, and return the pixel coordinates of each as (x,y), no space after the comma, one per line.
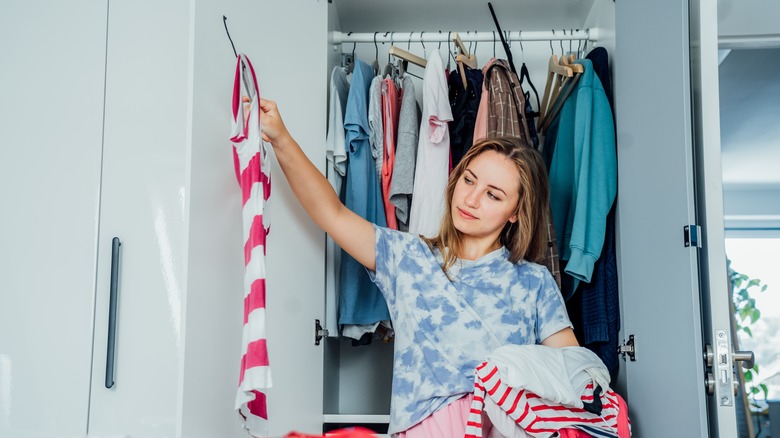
(591,35)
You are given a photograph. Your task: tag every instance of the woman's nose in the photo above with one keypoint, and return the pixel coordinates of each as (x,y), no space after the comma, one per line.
(472,199)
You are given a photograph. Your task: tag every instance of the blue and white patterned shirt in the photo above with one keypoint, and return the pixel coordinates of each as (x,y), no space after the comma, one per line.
(444,328)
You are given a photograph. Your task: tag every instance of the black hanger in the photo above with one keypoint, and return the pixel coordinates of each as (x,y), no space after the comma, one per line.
(503,40)
(523,76)
(243,66)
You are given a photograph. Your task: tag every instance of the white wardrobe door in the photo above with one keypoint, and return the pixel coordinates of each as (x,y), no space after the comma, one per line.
(51,117)
(142,203)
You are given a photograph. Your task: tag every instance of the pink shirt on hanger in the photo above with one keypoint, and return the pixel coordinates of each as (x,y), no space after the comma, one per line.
(391,105)
(480,125)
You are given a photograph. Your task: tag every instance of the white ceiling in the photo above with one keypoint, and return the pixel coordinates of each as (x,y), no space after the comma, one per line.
(750,118)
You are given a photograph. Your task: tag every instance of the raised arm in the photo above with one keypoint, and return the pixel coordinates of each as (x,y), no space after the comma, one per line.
(351,232)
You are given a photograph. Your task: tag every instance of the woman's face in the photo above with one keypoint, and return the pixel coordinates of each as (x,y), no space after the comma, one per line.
(486,195)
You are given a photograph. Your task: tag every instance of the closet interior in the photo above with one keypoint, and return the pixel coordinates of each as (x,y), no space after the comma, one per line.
(543,39)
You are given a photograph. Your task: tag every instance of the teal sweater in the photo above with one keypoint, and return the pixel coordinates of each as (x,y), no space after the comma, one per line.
(583,174)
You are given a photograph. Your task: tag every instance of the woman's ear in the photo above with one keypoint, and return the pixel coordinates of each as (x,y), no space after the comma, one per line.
(512,219)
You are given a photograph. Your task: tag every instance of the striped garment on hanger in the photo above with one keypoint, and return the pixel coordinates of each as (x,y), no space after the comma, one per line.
(254,177)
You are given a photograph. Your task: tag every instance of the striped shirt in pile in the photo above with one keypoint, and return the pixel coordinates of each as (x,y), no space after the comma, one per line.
(536,416)
(253,172)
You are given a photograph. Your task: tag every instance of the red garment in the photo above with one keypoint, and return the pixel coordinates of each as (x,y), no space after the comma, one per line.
(391,107)
(350,432)
(572,433)
(623,423)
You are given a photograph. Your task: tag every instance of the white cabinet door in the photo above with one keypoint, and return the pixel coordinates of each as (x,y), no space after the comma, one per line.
(674,297)
(51,117)
(142,203)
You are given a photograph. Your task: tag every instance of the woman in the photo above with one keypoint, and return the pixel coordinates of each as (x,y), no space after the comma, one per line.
(458,296)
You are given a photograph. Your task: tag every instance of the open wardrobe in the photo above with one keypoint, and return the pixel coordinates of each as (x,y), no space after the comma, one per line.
(123,209)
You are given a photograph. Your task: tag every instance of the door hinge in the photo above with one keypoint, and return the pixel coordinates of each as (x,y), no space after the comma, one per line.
(319,332)
(692,236)
(628,348)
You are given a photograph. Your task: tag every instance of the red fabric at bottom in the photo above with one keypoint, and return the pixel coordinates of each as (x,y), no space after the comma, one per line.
(351,432)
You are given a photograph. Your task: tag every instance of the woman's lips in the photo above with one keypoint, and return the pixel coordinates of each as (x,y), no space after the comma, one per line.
(465,215)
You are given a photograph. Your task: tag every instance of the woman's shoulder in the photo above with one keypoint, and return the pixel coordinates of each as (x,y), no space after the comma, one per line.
(530,270)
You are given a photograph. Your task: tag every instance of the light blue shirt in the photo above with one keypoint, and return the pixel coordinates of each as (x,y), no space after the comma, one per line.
(359,299)
(445,328)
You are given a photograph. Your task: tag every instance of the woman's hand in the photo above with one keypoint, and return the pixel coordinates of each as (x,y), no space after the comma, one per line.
(271,122)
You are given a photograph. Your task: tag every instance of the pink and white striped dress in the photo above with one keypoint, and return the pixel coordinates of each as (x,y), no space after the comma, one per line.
(254,177)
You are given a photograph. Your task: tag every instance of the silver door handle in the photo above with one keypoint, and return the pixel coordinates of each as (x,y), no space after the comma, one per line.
(748,358)
(110,350)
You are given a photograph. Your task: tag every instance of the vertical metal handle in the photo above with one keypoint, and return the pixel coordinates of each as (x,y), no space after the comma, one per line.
(115,244)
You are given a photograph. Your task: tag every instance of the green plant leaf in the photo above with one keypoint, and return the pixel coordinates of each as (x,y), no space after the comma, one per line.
(746,329)
(754,390)
(765,390)
(748,376)
(753,282)
(763,288)
(754,315)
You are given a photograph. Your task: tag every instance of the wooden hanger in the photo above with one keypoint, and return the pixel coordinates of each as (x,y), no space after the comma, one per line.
(407,56)
(569,84)
(554,73)
(464,56)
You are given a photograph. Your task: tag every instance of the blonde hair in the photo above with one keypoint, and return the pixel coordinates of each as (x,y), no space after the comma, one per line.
(527,237)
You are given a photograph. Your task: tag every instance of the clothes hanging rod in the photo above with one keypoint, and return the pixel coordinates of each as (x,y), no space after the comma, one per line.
(591,34)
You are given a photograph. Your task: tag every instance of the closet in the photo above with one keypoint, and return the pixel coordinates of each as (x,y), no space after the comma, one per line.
(114,122)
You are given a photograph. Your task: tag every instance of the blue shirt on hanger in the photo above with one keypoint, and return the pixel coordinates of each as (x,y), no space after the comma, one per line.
(360,302)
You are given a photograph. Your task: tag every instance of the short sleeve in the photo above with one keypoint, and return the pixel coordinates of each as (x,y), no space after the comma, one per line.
(551,316)
(391,247)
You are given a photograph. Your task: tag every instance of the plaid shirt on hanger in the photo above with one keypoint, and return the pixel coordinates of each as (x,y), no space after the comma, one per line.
(506,118)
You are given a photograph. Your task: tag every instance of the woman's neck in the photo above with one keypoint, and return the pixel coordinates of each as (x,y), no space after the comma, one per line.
(474,248)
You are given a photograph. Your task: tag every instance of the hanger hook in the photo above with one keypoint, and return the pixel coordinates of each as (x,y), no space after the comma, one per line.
(224,21)
(570,41)
(354,44)
(475,44)
(439,40)
(376,48)
(494,43)
(506,37)
(579,46)
(391,43)
(409,43)
(551,47)
(560,41)
(522,50)
(449,49)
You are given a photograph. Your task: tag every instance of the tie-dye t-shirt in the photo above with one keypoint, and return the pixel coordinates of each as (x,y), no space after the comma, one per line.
(444,327)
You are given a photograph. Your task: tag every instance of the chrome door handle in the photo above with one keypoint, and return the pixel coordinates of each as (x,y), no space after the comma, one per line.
(748,358)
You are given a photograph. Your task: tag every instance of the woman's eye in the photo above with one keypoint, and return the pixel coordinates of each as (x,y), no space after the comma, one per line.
(467,180)
(492,196)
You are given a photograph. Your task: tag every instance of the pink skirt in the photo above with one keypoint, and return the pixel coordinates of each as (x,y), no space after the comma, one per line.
(447,422)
